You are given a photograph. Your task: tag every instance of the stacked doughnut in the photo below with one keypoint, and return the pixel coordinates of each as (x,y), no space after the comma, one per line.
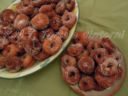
(34,31)
(91,64)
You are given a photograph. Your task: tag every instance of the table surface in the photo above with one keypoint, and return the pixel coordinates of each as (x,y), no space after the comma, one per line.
(102,17)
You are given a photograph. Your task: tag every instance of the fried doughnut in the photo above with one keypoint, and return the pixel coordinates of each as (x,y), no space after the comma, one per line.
(21,21)
(8,15)
(52,44)
(6,29)
(98,43)
(68,19)
(45,34)
(37,3)
(47,1)
(32,47)
(106,42)
(75,49)
(13,38)
(86,65)
(98,87)
(51,14)
(46,9)
(28,33)
(71,75)
(1,20)
(63,33)
(3,61)
(84,53)
(40,21)
(55,22)
(35,12)
(61,7)
(98,54)
(25,7)
(13,64)
(81,37)
(117,55)
(68,60)
(53,1)
(21,50)
(91,45)
(10,50)
(53,5)
(104,81)
(87,83)
(70,5)
(27,60)
(3,42)
(118,75)
(41,56)
(48,32)
(108,67)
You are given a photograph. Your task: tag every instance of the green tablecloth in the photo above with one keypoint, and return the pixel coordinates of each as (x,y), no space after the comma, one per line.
(106,17)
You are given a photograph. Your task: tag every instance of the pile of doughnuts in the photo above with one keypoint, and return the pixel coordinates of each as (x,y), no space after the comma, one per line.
(91,64)
(34,31)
